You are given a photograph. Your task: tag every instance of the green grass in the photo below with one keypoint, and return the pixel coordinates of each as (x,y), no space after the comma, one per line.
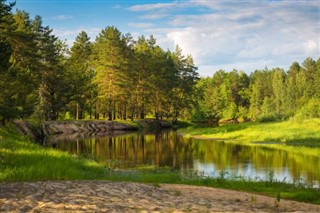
(295,137)
(307,132)
(22,160)
(128,122)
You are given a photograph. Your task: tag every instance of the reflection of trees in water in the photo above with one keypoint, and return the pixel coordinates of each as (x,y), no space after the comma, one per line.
(162,149)
(169,149)
(229,156)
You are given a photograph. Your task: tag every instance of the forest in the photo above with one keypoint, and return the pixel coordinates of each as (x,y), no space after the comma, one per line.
(118,77)
(128,80)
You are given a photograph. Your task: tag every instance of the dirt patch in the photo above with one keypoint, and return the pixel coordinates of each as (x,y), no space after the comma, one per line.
(106,196)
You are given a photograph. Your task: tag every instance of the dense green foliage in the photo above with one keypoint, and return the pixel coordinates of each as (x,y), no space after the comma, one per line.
(22,160)
(264,95)
(114,77)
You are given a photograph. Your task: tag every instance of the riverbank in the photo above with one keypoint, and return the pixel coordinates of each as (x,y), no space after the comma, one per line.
(22,160)
(106,196)
(306,132)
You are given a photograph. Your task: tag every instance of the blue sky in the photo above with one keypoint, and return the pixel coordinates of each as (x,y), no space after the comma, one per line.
(245,35)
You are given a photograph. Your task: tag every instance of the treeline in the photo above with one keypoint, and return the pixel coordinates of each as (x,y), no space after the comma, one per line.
(114,77)
(117,77)
(265,95)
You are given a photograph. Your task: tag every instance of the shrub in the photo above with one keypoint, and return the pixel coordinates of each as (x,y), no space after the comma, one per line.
(264,118)
(310,110)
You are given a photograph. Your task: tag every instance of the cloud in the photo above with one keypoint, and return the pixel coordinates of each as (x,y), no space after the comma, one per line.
(153,16)
(241,34)
(156,6)
(141,25)
(311,46)
(65,33)
(210,69)
(71,34)
(62,17)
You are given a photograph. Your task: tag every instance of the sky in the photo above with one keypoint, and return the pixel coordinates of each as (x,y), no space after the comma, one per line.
(219,34)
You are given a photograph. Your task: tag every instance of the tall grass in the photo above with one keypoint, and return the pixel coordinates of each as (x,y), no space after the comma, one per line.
(22,160)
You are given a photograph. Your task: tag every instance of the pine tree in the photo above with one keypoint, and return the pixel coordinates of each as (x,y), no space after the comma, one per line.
(81,76)
(109,61)
(7,99)
(55,87)
(19,64)
(183,94)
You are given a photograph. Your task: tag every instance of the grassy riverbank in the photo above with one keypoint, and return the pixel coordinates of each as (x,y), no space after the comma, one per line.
(22,160)
(306,132)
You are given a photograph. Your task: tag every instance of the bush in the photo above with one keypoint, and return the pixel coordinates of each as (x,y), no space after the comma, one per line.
(264,118)
(310,110)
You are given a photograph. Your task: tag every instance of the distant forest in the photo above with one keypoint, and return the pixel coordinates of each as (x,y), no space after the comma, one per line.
(117,77)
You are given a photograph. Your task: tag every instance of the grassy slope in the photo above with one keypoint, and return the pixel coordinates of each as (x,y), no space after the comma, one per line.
(306,132)
(22,160)
(295,137)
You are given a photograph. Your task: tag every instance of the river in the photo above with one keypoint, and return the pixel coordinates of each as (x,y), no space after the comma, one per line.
(205,157)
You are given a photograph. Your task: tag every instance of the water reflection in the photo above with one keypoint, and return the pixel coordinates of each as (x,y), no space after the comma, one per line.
(167,149)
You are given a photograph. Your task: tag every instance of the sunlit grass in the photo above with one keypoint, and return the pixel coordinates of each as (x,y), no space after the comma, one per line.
(307,132)
(295,137)
(128,122)
(22,160)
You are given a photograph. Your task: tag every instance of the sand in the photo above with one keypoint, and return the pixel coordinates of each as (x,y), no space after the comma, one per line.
(107,196)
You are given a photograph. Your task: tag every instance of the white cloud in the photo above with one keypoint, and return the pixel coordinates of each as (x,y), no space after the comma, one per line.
(154,16)
(311,46)
(157,6)
(62,17)
(247,66)
(242,34)
(146,7)
(66,33)
(70,35)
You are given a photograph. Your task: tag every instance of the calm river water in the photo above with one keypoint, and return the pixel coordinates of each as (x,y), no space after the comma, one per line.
(207,157)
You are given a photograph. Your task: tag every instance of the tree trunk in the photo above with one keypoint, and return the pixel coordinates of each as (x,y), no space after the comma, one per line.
(142,114)
(77,112)
(124,116)
(114,110)
(110,115)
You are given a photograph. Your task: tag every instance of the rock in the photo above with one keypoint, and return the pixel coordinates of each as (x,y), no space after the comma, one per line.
(95,127)
(70,127)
